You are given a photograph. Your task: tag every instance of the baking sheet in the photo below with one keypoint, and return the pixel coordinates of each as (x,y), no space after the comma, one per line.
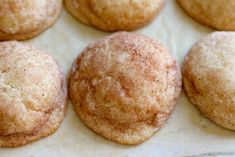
(188,131)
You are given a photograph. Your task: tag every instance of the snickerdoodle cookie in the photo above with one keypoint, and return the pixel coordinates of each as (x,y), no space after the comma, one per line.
(32,94)
(112,15)
(124,87)
(24,19)
(209,77)
(219,14)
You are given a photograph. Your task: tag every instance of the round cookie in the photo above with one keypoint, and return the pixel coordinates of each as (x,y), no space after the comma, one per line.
(24,19)
(124,87)
(218,14)
(209,77)
(113,15)
(33,94)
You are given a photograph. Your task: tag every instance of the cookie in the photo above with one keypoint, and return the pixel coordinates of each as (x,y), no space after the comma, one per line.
(33,94)
(25,19)
(112,15)
(124,87)
(209,77)
(218,14)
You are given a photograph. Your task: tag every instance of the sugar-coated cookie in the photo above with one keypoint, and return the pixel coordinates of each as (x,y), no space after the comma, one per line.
(124,87)
(33,94)
(24,19)
(209,77)
(218,14)
(113,15)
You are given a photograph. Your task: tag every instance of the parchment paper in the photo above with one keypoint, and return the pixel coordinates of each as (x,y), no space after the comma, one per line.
(188,131)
